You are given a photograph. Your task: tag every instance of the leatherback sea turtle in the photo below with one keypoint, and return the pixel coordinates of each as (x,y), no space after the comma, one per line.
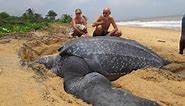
(89,63)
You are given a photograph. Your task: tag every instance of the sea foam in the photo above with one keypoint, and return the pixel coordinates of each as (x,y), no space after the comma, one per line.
(154,24)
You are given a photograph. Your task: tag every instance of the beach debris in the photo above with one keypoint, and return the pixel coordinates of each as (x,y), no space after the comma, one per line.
(1,71)
(161,41)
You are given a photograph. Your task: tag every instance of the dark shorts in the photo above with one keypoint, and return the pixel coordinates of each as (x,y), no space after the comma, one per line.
(103,34)
(182,45)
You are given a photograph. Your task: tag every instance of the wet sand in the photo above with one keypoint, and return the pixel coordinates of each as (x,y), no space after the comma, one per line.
(20,86)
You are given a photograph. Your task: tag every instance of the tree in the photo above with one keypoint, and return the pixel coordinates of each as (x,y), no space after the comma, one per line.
(31,16)
(28,15)
(51,15)
(38,16)
(1,21)
(4,15)
(66,18)
(30,12)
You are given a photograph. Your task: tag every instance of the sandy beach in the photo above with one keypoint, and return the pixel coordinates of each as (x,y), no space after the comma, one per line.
(21,86)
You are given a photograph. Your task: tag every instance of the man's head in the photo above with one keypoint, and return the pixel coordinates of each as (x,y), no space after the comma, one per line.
(78,12)
(106,12)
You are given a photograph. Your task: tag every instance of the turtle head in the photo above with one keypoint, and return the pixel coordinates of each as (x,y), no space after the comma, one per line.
(47,61)
(53,63)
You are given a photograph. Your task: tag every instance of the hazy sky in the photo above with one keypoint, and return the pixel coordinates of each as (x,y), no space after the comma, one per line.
(121,9)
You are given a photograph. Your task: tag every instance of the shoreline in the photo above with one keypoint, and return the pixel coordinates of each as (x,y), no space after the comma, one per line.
(160,28)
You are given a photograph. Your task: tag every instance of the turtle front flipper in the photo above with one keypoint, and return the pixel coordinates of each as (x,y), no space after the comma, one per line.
(47,61)
(94,88)
(53,62)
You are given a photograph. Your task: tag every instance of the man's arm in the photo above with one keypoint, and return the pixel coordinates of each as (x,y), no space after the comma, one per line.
(97,22)
(74,26)
(114,26)
(85,24)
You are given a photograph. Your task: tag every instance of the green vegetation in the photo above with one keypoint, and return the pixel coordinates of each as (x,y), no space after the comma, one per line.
(51,15)
(65,18)
(30,20)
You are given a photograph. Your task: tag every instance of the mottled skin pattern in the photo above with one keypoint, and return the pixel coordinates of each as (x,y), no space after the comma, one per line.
(87,64)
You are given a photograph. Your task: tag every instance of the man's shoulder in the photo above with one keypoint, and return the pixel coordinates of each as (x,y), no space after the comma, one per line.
(74,17)
(101,17)
(110,17)
(83,19)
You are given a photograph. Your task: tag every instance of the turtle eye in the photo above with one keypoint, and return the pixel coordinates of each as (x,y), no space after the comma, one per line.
(60,49)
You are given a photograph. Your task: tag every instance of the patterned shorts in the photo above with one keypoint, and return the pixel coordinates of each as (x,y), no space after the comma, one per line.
(79,26)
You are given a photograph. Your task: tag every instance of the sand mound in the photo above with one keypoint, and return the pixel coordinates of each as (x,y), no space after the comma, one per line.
(22,86)
(42,44)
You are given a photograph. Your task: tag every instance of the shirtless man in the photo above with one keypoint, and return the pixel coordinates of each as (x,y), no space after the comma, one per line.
(78,25)
(103,23)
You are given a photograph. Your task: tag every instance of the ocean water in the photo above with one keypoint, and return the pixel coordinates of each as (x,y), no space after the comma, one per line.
(152,24)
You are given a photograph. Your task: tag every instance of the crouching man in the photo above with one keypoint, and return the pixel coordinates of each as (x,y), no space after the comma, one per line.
(102,24)
(78,25)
